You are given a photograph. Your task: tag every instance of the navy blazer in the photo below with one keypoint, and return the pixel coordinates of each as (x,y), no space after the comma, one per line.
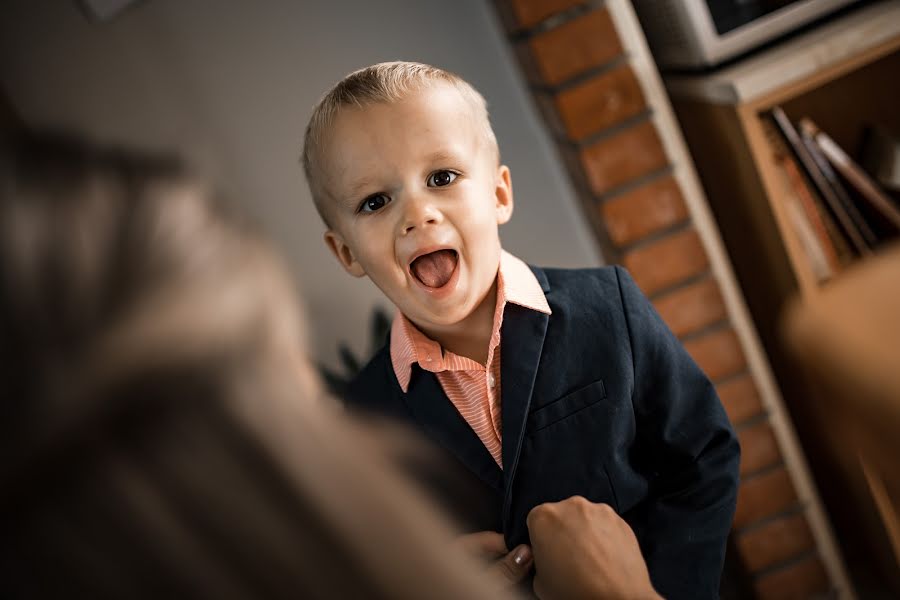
(599,399)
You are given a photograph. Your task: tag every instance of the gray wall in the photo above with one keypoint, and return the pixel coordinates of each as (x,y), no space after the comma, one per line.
(231,84)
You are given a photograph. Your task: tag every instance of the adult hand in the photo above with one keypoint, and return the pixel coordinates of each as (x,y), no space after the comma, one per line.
(585,550)
(509,568)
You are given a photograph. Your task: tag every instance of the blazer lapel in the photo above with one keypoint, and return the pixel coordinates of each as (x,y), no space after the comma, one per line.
(442,422)
(521,344)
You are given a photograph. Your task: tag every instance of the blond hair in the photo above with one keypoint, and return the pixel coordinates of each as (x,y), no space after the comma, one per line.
(382,83)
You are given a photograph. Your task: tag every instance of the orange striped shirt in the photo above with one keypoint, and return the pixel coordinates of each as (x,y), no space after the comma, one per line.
(473,388)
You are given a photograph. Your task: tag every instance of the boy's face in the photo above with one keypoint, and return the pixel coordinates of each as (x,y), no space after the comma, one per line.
(416,198)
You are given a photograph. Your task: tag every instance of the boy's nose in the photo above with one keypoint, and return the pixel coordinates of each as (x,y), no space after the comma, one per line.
(420,213)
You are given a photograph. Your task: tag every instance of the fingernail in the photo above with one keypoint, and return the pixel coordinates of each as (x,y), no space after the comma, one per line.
(522,556)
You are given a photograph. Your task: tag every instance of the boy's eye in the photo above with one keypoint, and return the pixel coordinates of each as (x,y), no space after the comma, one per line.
(441,178)
(373,203)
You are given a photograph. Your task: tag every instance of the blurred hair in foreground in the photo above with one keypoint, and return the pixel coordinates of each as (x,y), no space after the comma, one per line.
(163,434)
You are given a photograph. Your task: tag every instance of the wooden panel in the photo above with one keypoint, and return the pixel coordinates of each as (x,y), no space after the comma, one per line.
(736,195)
(691,308)
(804,579)
(740,399)
(573,48)
(623,157)
(764,496)
(644,210)
(758,448)
(600,102)
(718,353)
(776,541)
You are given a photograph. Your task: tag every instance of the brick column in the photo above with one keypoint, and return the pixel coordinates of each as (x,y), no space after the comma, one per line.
(590,93)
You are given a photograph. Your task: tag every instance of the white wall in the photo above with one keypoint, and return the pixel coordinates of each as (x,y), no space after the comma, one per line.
(231,84)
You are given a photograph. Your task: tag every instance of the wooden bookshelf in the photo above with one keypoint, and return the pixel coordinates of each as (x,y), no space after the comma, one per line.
(842,75)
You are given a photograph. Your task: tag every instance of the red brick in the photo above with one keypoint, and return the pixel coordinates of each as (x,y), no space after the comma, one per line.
(667,261)
(623,157)
(600,102)
(522,14)
(691,308)
(776,541)
(799,581)
(644,210)
(764,496)
(573,48)
(759,449)
(718,353)
(740,399)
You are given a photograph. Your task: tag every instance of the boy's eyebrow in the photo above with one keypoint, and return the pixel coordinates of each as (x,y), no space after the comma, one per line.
(441,156)
(359,187)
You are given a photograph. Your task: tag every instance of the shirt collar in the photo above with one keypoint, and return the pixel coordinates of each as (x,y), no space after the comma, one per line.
(520,286)
(409,345)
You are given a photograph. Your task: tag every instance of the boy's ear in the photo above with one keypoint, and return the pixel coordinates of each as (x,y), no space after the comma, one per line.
(504,195)
(344,254)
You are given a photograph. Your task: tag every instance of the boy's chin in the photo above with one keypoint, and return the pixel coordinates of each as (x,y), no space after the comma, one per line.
(438,319)
(441,319)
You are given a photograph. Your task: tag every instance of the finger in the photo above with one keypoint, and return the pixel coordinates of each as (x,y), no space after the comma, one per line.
(514,567)
(538,514)
(483,542)
(535,513)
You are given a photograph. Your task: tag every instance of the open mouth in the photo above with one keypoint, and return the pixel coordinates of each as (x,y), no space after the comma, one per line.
(435,269)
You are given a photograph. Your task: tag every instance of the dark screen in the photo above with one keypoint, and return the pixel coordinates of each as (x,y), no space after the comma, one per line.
(728,15)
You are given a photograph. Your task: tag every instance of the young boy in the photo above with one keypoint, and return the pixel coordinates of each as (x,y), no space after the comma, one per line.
(544,383)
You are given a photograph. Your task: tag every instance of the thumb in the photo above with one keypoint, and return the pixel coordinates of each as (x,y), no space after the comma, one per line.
(513,567)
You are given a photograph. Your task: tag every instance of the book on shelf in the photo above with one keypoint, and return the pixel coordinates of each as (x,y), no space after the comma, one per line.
(864,185)
(806,222)
(835,208)
(807,133)
(820,184)
(824,248)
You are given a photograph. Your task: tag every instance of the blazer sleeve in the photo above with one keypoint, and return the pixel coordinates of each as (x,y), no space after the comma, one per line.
(688,452)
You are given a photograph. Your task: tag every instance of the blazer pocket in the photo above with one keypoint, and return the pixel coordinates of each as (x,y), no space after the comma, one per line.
(566,406)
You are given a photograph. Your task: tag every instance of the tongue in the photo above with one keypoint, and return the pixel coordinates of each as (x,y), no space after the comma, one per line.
(435,269)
